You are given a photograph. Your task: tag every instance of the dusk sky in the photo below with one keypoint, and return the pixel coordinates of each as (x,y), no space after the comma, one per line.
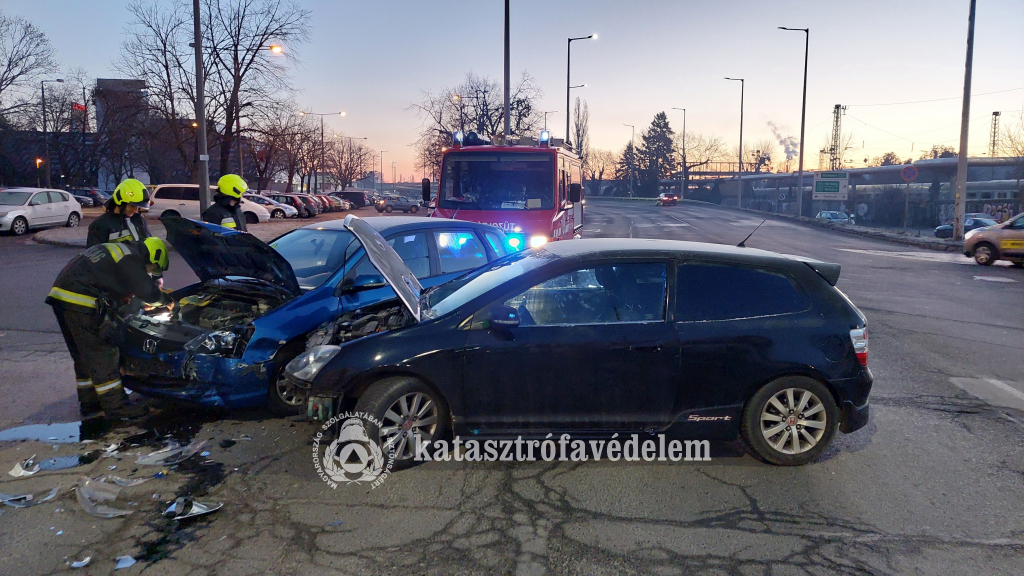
(374,59)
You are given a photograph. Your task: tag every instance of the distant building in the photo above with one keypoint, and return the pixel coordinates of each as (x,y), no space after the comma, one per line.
(120,112)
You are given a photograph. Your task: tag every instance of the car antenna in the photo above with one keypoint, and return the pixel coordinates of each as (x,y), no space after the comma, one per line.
(743,243)
(456,212)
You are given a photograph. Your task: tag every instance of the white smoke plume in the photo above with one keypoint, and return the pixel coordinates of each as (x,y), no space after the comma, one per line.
(789,143)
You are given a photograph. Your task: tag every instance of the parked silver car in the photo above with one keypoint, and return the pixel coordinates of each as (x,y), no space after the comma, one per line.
(276,209)
(24,209)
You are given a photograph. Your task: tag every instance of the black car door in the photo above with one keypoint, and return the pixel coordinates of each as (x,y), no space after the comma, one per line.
(593,350)
(737,325)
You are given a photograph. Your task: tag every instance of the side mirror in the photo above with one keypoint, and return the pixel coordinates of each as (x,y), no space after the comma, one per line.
(575,193)
(360,283)
(496,317)
(426,189)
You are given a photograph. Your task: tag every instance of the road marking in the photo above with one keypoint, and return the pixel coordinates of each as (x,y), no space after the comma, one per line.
(995,279)
(995,392)
(919,256)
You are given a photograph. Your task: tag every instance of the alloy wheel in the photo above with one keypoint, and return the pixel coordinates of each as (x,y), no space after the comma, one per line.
(412,416)
(19,226)
(793,420)
(983,255)
(289,393)
(73,221)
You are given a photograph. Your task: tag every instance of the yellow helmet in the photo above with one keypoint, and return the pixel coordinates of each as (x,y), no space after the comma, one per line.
(157,252)
(131,191)
(232,185)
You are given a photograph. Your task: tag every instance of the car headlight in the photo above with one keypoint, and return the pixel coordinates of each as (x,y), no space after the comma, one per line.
(538,241)
(305,366)
(218,342)
(2,214)
(971,233)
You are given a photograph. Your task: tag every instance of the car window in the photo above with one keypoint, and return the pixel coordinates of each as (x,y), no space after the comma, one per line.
(411,247)
(314,254)
(58,197)
(189,194)
(459,250)
(496,244)
(1017,224)
(168,193)
(40,198)
(708,292)
(599,295)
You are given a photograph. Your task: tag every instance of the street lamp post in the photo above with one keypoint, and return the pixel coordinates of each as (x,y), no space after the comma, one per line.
(568,76)
(546,117)
(632,156)
(393,162)
(46,139)
(204,156)
(317,179)
(739,171)
(382,169)
(803,119)
(682,191)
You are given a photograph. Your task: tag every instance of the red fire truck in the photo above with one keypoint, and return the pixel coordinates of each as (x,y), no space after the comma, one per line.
(531,189)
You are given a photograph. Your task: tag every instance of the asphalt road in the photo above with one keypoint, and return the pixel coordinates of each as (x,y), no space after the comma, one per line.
(933,484)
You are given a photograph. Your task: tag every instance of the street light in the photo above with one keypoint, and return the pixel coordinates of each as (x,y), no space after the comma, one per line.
(393,162)
(739,172)
(632,155)
(46,141)
(803,118)
(546,117)
(319,185)
(568,76)
(682,191)
(382,169)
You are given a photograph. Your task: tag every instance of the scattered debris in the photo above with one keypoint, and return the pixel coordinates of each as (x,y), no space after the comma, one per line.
(155,497)
(184,508)
(204,454)
(124,562)
(172,454)
(112,467)
(26,468)
(337,523)
(78,563)
(245,437)
(128,482)
(90,492)
(59,532)
(160,474)
(26,500)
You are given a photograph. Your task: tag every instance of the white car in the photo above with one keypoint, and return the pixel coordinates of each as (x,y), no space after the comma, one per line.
(183,200)
(276,209)
(23,209)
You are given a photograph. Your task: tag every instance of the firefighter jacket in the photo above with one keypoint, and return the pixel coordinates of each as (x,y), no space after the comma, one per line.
(107,275)
(114,227)
(223,213)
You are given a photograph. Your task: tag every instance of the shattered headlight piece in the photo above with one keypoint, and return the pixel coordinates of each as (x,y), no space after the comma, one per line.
(306,365)
(217,342)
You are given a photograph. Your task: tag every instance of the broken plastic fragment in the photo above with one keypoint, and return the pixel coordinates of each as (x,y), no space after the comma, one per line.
(171,454)
(127,482)
(26,468)
(204,454)
(337,523)
(78,563)
(53,494)
(124,562)
(90,492)
(184,508)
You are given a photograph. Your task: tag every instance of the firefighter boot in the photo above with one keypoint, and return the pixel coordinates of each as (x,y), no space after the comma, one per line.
(88,400)
(116,404)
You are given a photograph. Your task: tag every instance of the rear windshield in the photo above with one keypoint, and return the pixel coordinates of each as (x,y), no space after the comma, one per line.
(314,254)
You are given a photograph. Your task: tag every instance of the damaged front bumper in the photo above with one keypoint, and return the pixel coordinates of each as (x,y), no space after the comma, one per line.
(203,379)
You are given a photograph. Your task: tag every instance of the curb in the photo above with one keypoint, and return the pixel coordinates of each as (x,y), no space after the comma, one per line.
(936,244)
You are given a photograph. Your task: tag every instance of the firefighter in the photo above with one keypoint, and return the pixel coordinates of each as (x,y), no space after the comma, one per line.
(122,222)
(225,209)
(85,298)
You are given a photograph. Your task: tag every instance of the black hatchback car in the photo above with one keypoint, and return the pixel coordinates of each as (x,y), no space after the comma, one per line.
(592,337)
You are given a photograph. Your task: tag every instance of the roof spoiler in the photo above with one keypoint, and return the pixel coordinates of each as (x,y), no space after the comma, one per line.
(827,270)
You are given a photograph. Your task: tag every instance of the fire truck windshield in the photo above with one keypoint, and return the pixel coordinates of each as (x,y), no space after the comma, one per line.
(493,181)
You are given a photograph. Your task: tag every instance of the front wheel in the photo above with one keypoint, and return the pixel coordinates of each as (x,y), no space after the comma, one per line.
(19,227)
(414,209)
(277,214)
(985,254)
(251,218)
(790,421)
(408,411)
(73,220)
(389,209)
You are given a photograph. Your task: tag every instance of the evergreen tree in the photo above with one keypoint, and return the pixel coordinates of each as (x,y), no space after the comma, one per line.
(656,154)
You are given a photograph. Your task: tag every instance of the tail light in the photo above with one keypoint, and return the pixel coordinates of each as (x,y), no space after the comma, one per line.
(859,337)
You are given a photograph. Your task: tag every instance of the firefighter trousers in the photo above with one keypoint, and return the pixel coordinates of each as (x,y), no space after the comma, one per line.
(96,359)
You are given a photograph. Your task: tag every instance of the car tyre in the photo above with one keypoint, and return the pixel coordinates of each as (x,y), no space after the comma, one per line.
(406,407)
(73,220)
(790,407)
(284,399)
(414,209)
(169,214)
(985,254)
(251,218)
(389,209)
(277,214)
(19,227)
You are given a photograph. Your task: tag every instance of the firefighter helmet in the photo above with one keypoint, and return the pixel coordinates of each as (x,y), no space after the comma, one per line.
(157,252)
(131,191)
(232,185)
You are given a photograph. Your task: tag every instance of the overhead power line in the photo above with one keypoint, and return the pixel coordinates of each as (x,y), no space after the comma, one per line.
(936,99)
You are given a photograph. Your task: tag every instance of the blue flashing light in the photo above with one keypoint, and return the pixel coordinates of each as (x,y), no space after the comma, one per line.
(458,137)
(545,136)
(515,243)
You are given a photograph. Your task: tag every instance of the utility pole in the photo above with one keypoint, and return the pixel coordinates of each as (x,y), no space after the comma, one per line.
(993,146)
(546,117)
(739,171)
(568,84)
(508,101)
(46,138)
(85,128)
(835,161)
(961,160)
(682,189)
(204,157)
(803,121)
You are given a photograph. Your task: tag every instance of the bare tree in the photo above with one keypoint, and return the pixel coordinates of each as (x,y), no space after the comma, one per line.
(581,131)
(600,163)
(347,160)
(757,157)
(702,148)
(245,73)
(25,55)
(1012,145)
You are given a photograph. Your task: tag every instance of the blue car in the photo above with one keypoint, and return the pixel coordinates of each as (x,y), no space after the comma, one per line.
(230,336)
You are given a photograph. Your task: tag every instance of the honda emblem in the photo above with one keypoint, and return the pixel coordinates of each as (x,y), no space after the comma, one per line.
(149,346)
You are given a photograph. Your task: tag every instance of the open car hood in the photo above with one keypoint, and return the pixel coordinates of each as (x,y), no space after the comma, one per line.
(216,252)
(389,263)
